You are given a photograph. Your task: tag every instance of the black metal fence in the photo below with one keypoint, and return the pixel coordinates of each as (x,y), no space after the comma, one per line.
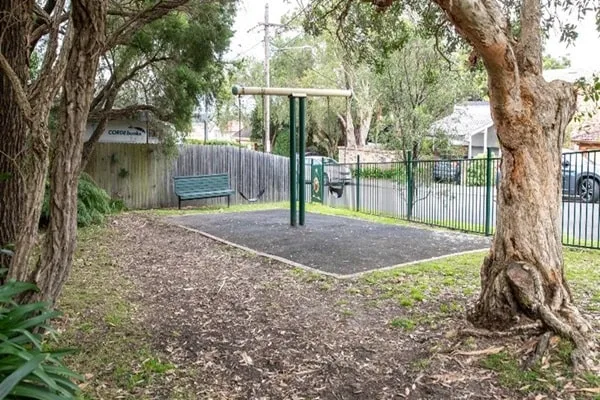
(461,193)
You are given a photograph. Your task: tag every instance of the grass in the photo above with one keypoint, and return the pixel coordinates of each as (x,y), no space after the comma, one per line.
(426,281)
(513,376)
(168,212)
(405,324)
(99,320)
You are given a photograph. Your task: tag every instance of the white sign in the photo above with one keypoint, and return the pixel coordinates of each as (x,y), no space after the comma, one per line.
(122,132)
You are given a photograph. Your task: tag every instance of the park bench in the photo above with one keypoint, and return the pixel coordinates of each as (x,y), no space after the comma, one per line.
(202,187)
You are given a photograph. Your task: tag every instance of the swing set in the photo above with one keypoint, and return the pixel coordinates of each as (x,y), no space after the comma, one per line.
(298,95)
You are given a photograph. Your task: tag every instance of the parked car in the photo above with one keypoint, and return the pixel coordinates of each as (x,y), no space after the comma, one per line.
(446,171)
(333,172)
(581,175)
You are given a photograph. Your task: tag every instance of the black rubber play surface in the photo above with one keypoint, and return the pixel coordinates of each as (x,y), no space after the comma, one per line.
(332,244)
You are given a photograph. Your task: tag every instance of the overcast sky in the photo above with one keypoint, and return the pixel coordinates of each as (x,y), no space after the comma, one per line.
(584,55)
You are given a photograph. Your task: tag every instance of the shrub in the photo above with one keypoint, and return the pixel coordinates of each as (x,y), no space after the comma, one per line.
(281,147)
(93,203)
(29,370)
(396,172)
(476,171)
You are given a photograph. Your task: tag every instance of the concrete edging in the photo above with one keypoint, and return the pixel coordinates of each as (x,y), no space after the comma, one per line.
(311,269)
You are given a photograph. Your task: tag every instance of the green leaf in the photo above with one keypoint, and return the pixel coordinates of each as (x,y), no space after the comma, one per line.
(9,383)
(36,392)
(13,288)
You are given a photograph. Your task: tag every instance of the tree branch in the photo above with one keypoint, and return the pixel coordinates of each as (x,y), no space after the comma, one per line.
(130,27)
(530,47)
(114,84)
(20,93)
(128,112)
(40,30)
(51,73)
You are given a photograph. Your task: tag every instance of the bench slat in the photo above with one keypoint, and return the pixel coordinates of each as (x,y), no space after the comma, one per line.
(202,186)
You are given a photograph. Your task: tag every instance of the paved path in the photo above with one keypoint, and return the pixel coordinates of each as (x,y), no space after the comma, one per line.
(332,244)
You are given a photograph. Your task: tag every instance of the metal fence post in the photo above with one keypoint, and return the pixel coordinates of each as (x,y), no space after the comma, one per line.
(357,182)
(293,161)
(301,155)
(488,193)
(409,183)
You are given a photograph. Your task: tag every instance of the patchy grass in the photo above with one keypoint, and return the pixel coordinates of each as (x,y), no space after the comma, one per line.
(114,351)
(215,209)
(345,212)
(403,323)
(428,281)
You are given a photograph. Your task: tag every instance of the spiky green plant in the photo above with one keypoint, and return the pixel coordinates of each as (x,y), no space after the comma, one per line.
(29,369)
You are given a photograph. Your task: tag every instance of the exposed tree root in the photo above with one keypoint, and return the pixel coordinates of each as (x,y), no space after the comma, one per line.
(522,289)
(540,349)
(528,329)
(559,315)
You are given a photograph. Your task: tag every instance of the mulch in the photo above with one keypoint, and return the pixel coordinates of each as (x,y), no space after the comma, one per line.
(241,326)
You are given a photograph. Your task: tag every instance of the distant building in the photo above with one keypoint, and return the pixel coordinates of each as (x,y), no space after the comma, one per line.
(587,136)
(470,126)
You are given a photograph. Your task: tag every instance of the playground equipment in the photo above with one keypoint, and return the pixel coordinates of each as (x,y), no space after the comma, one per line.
(299,95)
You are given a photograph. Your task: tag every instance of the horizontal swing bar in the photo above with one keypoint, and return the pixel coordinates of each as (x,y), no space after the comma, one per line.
(296,92)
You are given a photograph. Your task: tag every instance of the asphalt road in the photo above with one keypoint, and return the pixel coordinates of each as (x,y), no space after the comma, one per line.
(458,206)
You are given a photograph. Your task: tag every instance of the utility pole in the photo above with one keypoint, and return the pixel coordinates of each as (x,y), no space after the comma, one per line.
(266,99)
(205,119)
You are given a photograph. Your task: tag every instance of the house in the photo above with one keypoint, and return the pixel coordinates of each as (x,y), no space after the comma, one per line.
(587,135)
(471,127)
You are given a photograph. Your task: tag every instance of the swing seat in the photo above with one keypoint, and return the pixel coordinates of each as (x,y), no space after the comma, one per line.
(252,199)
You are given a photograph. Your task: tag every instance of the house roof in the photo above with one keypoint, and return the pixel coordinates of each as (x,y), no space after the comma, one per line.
(467,119)
(588,132)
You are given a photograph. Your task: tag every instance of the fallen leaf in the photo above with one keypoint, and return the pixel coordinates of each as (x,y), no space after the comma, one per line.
(489,350)
(247,359)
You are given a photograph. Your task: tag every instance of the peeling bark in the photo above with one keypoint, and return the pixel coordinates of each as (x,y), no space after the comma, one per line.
(89,26)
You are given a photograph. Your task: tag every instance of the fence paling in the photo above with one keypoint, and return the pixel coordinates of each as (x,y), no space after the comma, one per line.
(141,176)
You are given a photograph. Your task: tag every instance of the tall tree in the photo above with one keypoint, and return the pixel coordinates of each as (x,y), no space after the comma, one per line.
(163,69)
(71,37)
(419,86)
(522,278)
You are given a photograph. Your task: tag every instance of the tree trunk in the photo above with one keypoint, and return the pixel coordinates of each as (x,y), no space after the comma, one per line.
(88,19)
(523,277)
(364,128)
(15,23)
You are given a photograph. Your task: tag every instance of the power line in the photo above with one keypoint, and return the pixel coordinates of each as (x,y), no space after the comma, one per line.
(248,50)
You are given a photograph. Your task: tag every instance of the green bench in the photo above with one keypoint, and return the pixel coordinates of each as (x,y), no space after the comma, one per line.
(202,187)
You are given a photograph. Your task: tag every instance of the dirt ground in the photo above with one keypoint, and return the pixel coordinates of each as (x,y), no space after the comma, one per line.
(245,327)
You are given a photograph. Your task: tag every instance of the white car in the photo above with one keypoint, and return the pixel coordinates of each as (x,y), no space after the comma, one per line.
(333,172)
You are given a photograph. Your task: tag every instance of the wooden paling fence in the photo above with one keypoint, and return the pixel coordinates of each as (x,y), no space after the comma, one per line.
(142,176)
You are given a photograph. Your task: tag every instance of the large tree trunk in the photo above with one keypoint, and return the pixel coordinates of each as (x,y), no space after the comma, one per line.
(89,20)
(523,274)
(15,24)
